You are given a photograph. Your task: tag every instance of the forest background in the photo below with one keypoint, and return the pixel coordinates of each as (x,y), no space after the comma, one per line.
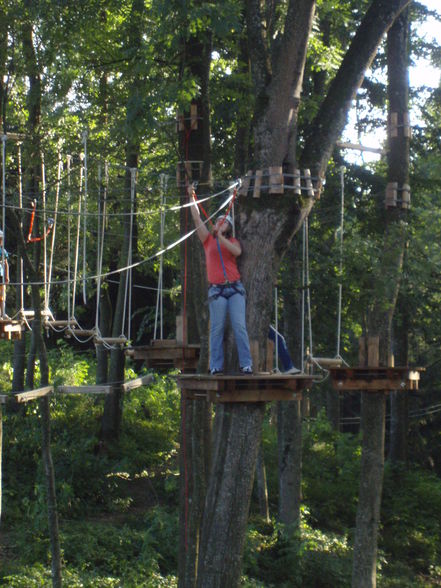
(104,82)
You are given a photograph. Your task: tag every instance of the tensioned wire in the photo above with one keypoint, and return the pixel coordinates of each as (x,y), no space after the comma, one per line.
(153,256)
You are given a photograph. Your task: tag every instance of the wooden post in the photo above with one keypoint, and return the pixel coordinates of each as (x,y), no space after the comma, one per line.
(269,363)
(181,330)
(194,116)
(257,183)
(255,355)
(373,355)
(362,351)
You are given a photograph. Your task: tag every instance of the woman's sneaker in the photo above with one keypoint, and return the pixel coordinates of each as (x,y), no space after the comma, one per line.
(292,370)
(246,370)
(215,372)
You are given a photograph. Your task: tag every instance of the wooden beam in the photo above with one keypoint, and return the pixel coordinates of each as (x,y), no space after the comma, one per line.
(99,389)
(358,147)
(33,394)
(137,382)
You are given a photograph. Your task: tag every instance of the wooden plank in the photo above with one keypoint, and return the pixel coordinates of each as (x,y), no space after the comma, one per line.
(13,328)
(161,343)
(297,183)
(327,362)
(405,196)
(98,389)
(181,330)
(83,332)
(33,394)
(111,340)
(194,116)
(275,179)
(359,147)
(393,124)
(253,395)
(373,352)
(137,383)
(308,183)
(374,385)
(257,183)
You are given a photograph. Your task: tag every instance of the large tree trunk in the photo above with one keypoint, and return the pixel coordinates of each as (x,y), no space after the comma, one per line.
(194,143)
(266,228)
(387,285)
(112,415)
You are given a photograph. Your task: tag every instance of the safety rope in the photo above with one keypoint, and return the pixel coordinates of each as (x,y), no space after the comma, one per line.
(159,297)
(128,299)
(77,245)
(4,137)
(340,267)
(85,220)
(54,230)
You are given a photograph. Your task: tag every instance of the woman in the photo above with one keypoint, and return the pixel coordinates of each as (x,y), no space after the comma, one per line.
(226,293)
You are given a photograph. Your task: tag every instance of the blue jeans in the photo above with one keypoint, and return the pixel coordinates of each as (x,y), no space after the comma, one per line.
(282,348)
(231,300)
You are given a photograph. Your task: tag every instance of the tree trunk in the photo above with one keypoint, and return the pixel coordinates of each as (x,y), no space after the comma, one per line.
(261,485)
(194,146)
(289,423)
(112,415)
(237,436)
(371,485)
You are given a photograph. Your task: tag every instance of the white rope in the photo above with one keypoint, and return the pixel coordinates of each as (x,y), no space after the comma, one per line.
(4,137)
(101,235)
(127,306)
(20,203)
(43,193)
(77,246)
(85,219)
(308,294)
(54,228)
(147,259)
(303,295)
(159,297)
(340,269)
(69,313)
(276,322)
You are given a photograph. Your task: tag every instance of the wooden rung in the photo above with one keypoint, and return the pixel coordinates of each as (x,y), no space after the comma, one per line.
(98,389)
(164,342)
(33,394)
(82,332)
(136,383)
(257,183)
(61,323)
(327,362)
(111,340)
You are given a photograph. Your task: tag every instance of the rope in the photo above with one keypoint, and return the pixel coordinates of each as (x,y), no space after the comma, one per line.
(69,310)
(20,203)
(54,230)
(77,246)
(159,297)
(340,269)
(303,294)
(85,219)
(43,195)
(129,257)
(277,326)
(4,137)
(101,234)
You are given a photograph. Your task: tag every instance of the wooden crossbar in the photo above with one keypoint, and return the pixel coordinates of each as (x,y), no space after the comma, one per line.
(99,389)
(111,340)
(137,382)
(33,394)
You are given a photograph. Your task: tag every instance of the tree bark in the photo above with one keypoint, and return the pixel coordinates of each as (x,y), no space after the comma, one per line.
(371,485)
(261,485)
(289,426)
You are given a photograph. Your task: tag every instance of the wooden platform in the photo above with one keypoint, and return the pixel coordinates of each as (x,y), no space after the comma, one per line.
(261,387)
(375,379)
(32,394)
(167,354)
(10,329)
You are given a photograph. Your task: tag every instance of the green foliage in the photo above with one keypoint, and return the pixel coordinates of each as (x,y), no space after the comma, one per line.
(306,558)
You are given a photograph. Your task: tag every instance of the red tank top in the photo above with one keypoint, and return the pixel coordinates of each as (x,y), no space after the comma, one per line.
(215,273)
